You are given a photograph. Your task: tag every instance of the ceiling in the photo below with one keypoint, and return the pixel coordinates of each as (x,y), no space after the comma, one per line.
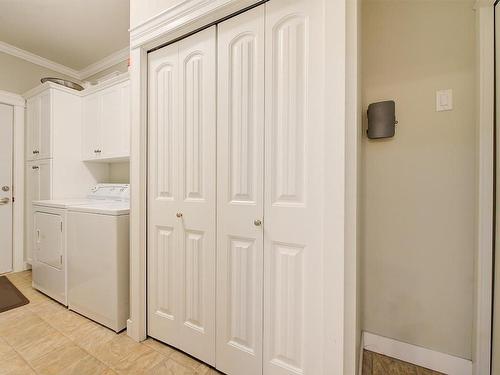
(74,33)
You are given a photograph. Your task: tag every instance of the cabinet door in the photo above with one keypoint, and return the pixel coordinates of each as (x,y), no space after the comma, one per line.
(294,241)
(111,124)
(125,119)
(31,193)
(38,186)
(44,136)
(240,158)
(91,127)
(181,248)
(32,126)
(44,179)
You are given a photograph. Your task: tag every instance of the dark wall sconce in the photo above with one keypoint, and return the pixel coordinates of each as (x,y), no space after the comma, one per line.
(381,119)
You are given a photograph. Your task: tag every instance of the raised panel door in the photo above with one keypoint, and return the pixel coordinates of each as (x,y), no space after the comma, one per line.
(294,196)
(240,158)
(164,197)
(125,119)
(32,127)
(181,195)
(111,121)
(197,179)
(44,137)
(91,129)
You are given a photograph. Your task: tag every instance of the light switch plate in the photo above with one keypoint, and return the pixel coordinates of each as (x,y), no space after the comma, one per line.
(444,100)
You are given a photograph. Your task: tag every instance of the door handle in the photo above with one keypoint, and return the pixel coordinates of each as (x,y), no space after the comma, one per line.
(4,200)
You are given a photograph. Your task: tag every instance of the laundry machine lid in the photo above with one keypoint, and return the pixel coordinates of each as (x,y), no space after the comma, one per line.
(61,203)
(103,208)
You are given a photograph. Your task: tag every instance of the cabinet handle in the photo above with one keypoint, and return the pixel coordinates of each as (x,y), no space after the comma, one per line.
(35,167)
(97,151)
(36,152)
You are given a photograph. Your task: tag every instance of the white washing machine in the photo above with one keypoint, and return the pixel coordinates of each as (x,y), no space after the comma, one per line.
(50,237)
(98,260)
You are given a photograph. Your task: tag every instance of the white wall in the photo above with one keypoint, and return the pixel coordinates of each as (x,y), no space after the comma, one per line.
(419,188)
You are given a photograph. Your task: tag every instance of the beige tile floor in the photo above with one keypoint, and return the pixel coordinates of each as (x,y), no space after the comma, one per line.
(43,337)
(377,364)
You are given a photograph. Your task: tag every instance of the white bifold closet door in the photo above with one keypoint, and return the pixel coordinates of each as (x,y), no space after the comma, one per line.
(181,195)
(294,203)
(240,185)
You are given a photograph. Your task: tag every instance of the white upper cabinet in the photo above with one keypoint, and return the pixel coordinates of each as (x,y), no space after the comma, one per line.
(106,123)
(38,126)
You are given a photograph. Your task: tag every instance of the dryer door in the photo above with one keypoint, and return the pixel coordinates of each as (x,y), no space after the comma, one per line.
(48,239)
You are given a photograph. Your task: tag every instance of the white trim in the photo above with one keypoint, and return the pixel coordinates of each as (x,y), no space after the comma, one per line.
(105,63)
(38,60)
(186,16)
(11,99)
(484,257)
(18,102)
(417,355)
(18,261)
(80,75)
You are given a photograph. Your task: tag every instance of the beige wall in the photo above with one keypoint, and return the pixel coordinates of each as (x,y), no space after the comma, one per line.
(19,76)
(119,172)
(418,188)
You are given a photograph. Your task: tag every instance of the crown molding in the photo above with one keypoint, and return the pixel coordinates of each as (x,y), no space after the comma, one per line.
(105,63)
(38,60)
(11,99)
(80,75)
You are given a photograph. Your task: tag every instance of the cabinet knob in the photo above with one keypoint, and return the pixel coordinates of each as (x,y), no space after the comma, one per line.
(178,214)
(257,222)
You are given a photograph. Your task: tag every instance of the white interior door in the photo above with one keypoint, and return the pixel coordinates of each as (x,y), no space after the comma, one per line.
(6,141)
(240,168)
(181,199)
(294,328)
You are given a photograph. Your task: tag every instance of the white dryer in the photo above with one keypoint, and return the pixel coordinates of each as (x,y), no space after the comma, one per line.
(98,260)
(49,255)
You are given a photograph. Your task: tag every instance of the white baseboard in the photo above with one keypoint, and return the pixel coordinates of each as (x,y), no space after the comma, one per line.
(417,355)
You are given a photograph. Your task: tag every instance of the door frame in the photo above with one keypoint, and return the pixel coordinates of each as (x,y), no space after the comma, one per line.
(482,331)
(187,17)
(18,103)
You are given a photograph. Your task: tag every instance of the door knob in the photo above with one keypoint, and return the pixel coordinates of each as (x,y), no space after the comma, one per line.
(178,214)
(257,222)
(4,200)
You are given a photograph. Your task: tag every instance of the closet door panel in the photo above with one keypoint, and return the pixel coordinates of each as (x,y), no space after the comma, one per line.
(240,148)
(197,173)
(164,198)
(293,288)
